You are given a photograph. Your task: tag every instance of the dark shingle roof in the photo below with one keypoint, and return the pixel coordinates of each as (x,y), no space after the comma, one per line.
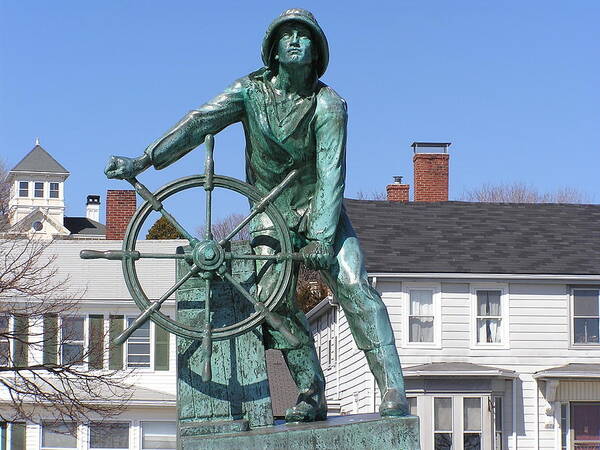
(84,226)
(462,237)
(39,160)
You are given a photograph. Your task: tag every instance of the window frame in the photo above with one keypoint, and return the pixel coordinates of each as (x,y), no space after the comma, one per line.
(19,188)
(504,317)
(57,190)
(481,419)
(451,432)
(6,340)
(435,287)
(572,343)
(130,437)
(141,430)
(35,189)
(49,422)
(62,340)
(150,367)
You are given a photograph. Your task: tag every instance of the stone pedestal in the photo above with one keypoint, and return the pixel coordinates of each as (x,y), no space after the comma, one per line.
(363,431)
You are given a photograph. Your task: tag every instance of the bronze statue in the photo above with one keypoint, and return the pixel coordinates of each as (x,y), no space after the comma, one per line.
(293,121)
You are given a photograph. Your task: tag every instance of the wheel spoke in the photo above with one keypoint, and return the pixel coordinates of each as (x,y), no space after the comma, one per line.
(209,171)
(236,284)
(260,206)
(158,206)
(124,254)
(278,257)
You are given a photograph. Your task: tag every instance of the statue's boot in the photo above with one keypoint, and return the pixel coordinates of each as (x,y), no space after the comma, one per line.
(385,365)
(308,376)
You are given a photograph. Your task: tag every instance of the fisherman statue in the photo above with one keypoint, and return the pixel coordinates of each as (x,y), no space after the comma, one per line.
(293,121)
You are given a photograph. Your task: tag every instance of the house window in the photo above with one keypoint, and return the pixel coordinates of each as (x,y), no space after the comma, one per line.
(442,418)
(38,189)
(489,317)
(112,435)
(138,345)
(23,188)
(498,423)
(586,316)
(421,316)
(73,340)
(53,190)
(159,435)
(472,423)
(564,426)
(59,435)
(585,423)
(412,405)
(4,342)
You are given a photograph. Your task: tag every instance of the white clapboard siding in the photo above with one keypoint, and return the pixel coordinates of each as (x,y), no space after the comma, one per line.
(539,338)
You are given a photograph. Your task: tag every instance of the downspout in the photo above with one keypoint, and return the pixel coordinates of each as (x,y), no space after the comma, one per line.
(514,412)
(537,416)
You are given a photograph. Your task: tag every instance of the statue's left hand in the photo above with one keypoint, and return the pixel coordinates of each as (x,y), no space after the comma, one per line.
(317,255)
(123,168)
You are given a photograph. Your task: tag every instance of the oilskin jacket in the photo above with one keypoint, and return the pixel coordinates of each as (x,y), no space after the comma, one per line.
(310,137)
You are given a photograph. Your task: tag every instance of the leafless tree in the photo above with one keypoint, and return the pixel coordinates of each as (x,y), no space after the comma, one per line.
(522,193)
(37,379)
(221,228)
(374,195)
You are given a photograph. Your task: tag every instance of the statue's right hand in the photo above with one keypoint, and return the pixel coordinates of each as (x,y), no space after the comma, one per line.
(120,168)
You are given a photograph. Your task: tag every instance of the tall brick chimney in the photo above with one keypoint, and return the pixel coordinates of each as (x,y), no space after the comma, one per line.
(397,192)
(431,161)
(120,206)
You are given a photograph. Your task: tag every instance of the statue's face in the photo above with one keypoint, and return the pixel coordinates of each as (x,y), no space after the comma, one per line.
(295,44)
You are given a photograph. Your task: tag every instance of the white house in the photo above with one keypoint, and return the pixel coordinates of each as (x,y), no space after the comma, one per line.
(495,309)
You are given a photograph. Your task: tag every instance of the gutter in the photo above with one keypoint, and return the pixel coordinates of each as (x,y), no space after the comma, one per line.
(479,276)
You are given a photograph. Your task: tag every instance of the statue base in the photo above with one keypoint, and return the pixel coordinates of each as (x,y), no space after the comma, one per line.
(341,432)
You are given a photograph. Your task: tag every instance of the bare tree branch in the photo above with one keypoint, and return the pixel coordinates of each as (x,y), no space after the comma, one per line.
(522,193)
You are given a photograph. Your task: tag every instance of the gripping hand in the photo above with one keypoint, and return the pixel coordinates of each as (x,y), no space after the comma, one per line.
(317,255)
(123,168)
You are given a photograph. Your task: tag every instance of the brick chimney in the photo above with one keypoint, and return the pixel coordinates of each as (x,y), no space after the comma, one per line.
(120,207)
(397,192)
(431,161)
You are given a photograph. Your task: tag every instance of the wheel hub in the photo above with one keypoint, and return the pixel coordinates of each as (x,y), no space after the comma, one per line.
(208,255)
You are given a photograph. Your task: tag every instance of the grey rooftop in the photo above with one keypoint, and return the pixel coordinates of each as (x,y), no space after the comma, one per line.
(464,237)
(457,369)
(39,160)
(573,370)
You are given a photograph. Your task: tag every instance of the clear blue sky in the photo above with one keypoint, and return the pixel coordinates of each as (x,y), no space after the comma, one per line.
(514,85)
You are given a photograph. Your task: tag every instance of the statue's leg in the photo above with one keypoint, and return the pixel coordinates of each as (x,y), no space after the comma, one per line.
(367,317)
(303,361)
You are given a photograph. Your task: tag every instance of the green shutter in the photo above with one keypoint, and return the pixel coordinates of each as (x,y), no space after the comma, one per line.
(115,352)
(17,436)
(21,326)
(96,341)
(161,348)
(50,339)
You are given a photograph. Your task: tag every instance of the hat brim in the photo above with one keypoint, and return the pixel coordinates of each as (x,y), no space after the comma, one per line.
(317,35)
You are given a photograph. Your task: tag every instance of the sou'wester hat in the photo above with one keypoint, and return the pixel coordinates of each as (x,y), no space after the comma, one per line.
(306,18)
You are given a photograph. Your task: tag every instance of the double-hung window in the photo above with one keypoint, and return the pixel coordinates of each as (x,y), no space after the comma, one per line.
(138,346)
(109,435)
(59,435)
(23,189)
(490,316)
(72,340)
(53,190)
(472,423)
(159,435)
(4,342)
(422,318)
(586,316)
(38,189)
(442,420)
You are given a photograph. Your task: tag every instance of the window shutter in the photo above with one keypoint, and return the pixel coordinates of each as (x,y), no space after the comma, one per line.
(21,326)
(161,348)
(115,352)
(17,436)
(96,341)
(50,338)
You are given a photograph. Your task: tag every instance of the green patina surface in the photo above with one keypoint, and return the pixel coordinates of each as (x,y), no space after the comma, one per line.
(367,431)
(239,389)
